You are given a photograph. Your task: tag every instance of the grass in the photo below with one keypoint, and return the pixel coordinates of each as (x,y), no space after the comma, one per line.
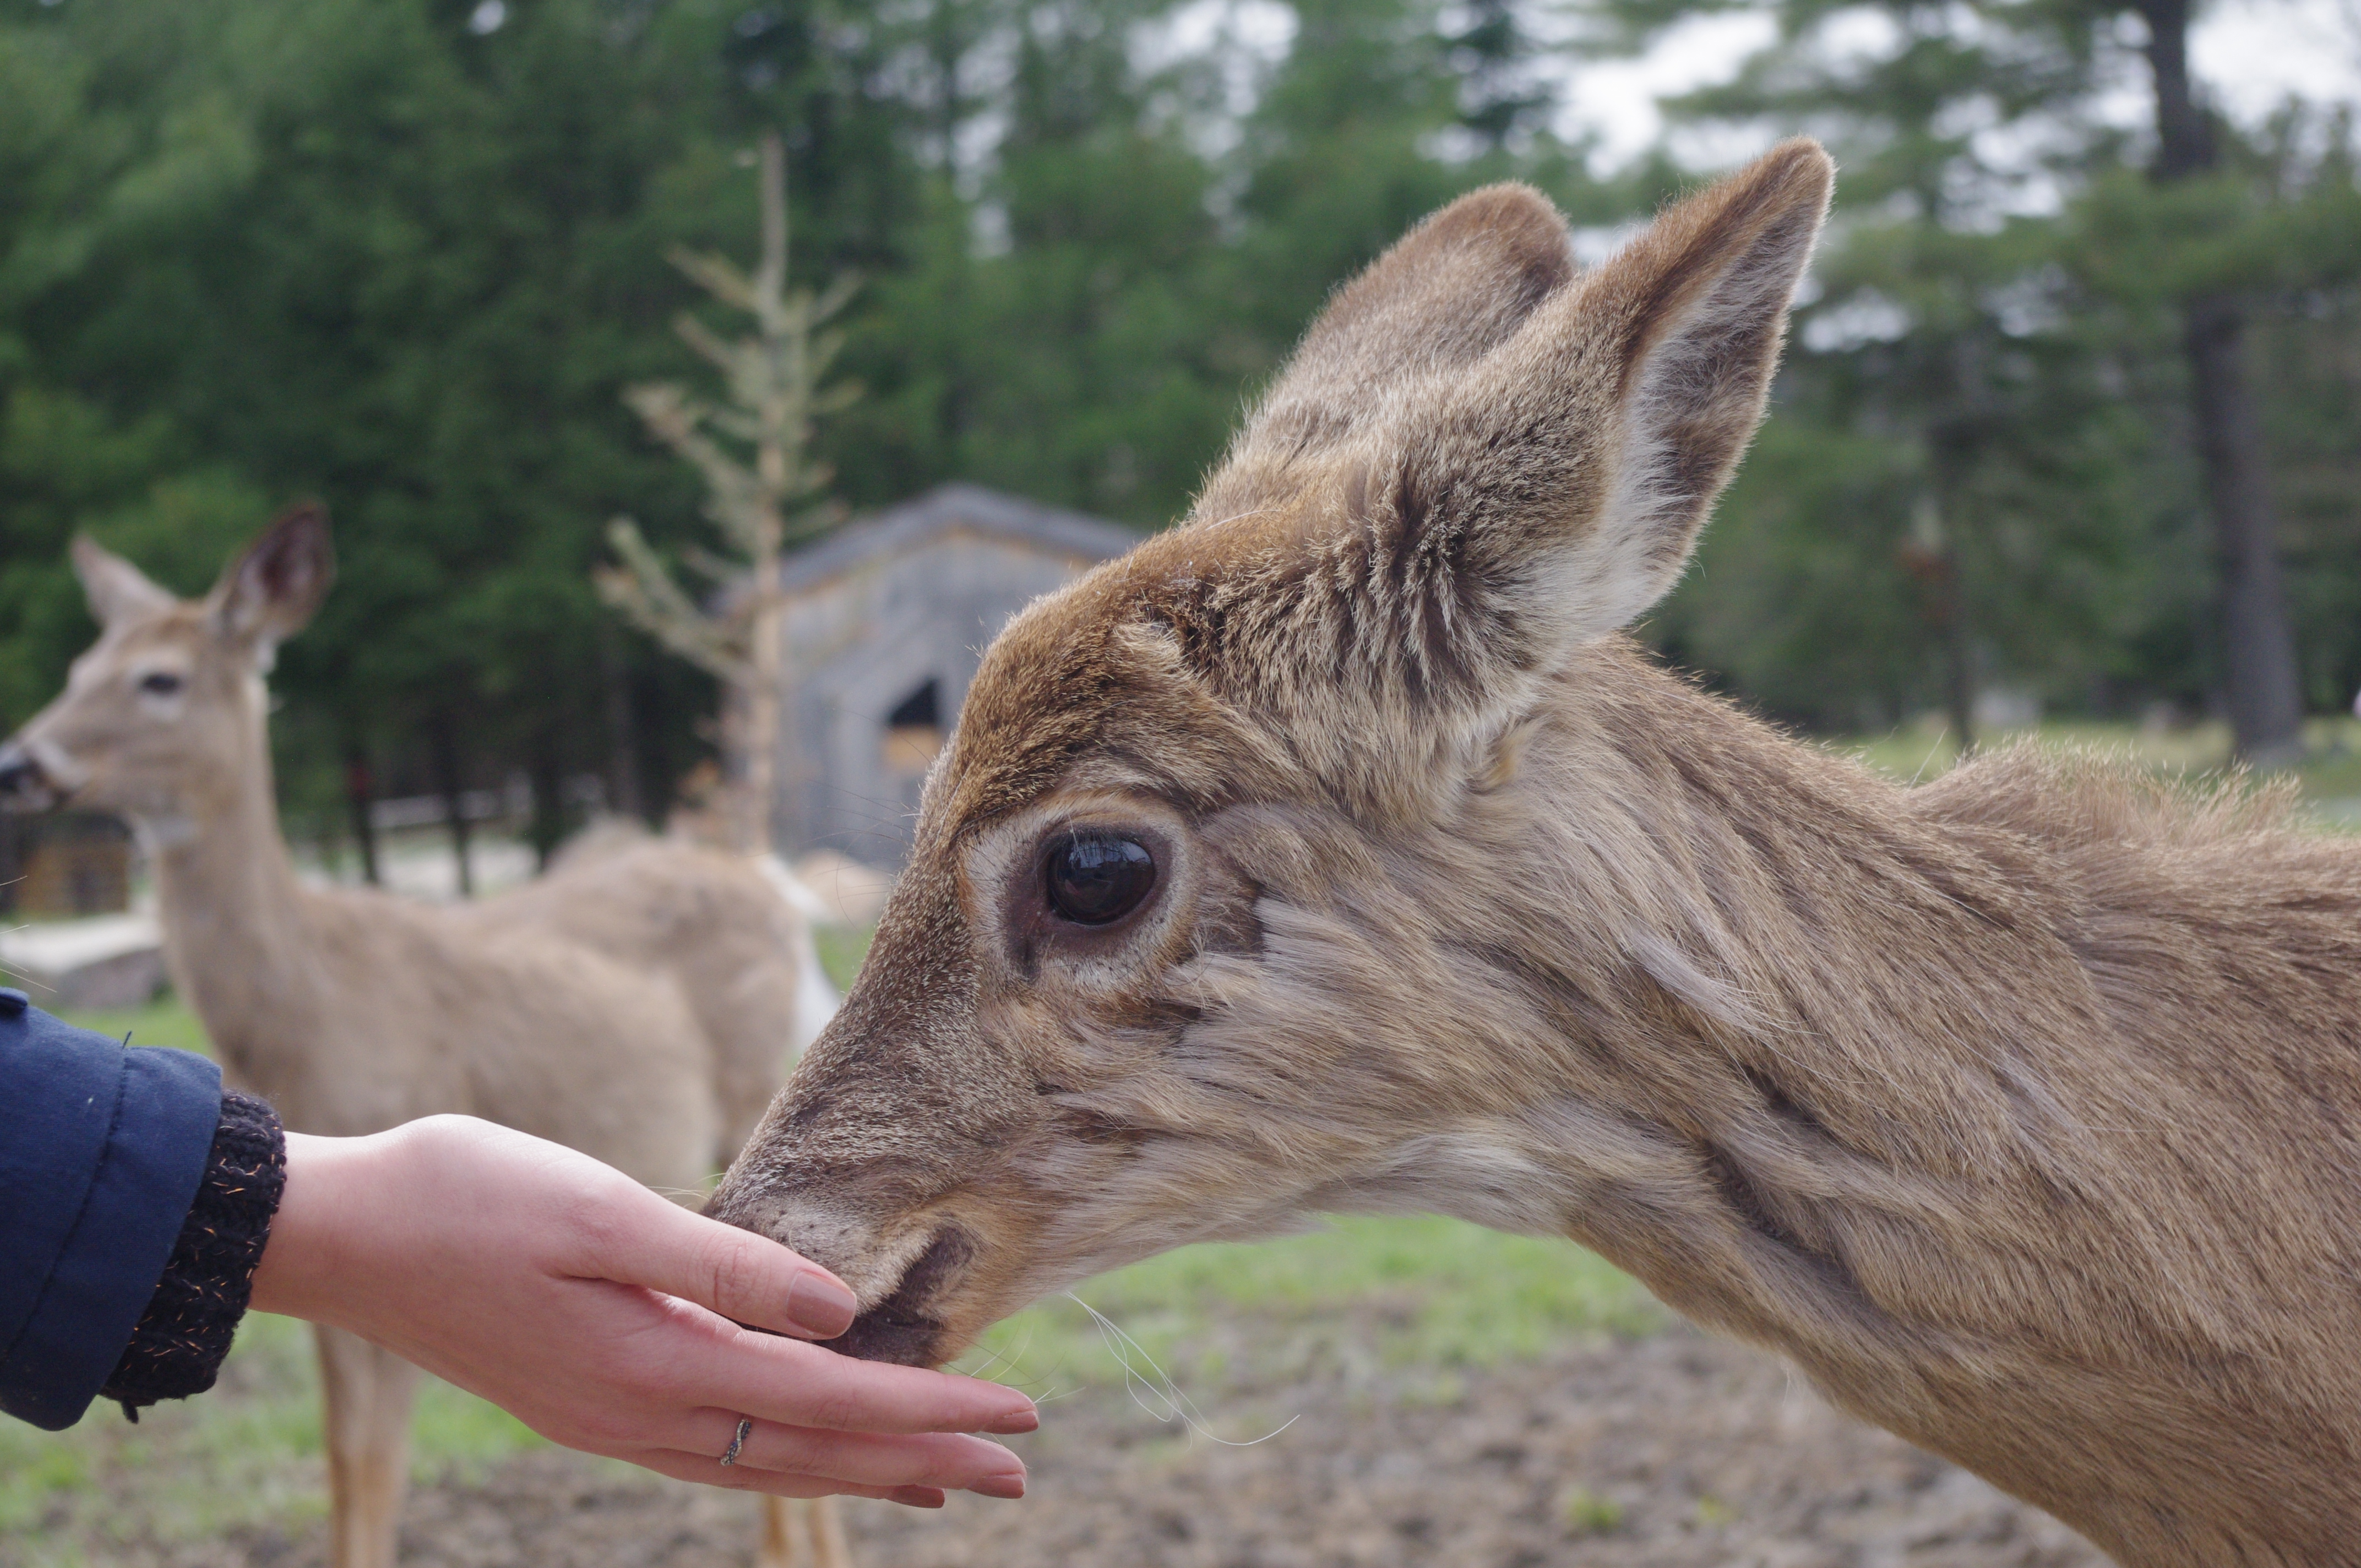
(163,1021)
(2329,774)
(1587,1513)
(841,949)
(1362,1293)
(245,1456)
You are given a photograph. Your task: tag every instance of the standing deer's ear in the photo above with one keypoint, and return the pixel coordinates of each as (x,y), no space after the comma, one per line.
(1571,471)
(117,590)
(269,592)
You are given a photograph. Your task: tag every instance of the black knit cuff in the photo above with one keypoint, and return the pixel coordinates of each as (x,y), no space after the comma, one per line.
(185,1332)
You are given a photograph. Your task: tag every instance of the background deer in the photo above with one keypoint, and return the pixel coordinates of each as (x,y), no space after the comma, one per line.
(1335,851)
(641,1003)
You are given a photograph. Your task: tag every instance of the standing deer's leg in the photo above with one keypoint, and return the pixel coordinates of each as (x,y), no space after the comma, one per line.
(368,1393)
(828,1548)
(823,1528)
(778,1535)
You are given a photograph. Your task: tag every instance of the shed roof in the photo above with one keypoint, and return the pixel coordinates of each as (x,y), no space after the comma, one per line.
(952,509)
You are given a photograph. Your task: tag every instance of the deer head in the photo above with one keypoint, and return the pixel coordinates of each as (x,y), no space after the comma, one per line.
(1115,1001)
(163,716)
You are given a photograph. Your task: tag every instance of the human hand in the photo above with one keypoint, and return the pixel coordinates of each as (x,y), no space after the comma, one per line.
(606,1319)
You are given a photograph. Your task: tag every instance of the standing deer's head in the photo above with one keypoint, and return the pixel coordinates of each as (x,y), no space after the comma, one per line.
(161,715)
(1139,983)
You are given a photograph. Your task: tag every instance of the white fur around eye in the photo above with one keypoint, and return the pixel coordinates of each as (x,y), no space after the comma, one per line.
(161,690)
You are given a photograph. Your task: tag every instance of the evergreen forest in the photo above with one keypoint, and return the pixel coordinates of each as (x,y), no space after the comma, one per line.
(2072,408)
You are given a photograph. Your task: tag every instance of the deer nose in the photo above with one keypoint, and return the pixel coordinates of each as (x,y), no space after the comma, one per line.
(904,1327)
(21,779)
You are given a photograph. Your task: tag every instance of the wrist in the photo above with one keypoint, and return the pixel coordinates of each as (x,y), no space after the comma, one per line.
(304,1262)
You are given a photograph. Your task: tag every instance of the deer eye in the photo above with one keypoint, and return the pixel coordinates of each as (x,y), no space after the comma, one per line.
(1098,879)
(159,683)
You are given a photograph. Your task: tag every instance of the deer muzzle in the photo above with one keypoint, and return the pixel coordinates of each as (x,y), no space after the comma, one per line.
(25,782)
(905,1327)
(906,1269)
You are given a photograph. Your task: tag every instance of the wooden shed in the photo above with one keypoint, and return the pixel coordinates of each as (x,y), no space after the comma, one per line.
(64,864)
(884,622)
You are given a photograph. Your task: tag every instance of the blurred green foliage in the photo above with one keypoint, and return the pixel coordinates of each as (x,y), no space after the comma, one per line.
(404,255)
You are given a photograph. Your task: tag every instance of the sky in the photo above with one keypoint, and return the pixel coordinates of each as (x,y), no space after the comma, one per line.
(2250,54)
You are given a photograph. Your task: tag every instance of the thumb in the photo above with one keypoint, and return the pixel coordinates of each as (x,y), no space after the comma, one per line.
(746,1277)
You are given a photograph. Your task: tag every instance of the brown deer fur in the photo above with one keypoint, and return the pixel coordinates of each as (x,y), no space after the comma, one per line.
(2018,1109)
(640,1003)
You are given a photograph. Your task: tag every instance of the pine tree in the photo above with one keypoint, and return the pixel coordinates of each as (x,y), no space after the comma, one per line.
(2005,331)
(2265,699)
(763,489)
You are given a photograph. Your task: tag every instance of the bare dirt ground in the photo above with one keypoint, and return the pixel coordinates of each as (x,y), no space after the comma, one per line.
(1670,1451)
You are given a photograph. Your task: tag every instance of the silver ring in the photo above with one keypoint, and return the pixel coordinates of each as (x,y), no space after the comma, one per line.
(745,1425)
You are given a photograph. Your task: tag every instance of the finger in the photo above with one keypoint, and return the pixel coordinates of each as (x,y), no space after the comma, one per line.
(704,1469)
(800,1385)
(941,1459)
(745,1278)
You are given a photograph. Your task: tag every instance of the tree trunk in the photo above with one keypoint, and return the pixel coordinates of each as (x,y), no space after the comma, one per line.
(625,796)
(1929,555)
(452,784)
(760,697)
(781,420)
(359,795)
(2258,642)
(545,774)
(2258,646)
(1958,660)
(12,861)
(747,763)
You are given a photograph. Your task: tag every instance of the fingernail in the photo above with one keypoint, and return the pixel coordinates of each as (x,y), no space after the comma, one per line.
(819,1306)
(1009,1486)
(918,1496)
(1015,1422)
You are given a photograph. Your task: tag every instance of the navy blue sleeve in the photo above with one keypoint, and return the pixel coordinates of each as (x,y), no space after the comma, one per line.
(101,1149)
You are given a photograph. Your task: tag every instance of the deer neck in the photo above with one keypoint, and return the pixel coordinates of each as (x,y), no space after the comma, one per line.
(1829,1063)
(237,932)
(1775,1010)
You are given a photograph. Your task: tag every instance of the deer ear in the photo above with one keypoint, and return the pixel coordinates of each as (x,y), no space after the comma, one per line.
(1447,292)
(1574,466)
(117,590)
(269,592)
(1431,512)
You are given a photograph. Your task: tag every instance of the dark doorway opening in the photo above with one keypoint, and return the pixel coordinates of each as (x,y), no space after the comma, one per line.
(913,731)
(922,708)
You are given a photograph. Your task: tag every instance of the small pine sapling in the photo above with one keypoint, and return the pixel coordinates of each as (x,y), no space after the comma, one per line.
(765,491)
